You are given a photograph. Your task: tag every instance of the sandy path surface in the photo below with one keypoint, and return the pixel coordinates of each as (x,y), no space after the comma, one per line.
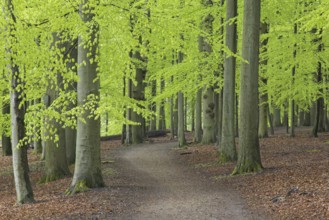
(163,188)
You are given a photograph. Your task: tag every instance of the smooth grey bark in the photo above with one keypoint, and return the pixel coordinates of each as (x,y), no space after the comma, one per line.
(263,106)
(319,125)
(37,142)
(162,115)
(249,159)
(263,109)
(292,102)
(71,133)
(228,149)
(153,107)
(301,117)
(138,131)
(276,117)
(181,134)
(24,192)
(270,120)
(56,165)
(307,118)
(128,113)
(172,117)
(208,105)
(220,118)
(5,140)
(198,117)
(87,173)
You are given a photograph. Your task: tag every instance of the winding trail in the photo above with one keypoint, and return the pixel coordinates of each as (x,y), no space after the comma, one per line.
(163,188)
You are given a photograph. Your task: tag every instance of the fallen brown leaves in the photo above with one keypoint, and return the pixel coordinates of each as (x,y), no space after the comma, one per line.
(294,183)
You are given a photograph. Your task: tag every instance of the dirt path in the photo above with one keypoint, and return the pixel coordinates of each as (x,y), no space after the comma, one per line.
(159,187)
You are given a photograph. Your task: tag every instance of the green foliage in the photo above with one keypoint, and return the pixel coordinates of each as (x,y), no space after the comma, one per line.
(168,28)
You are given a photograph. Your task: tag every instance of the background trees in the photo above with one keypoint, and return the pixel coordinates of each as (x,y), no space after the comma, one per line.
(136,47)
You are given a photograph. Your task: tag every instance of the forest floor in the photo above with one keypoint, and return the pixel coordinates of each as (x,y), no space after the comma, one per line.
(158,181)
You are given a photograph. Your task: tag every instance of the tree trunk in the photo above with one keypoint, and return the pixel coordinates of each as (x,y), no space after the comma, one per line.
(153,108)
(307,118)
(172,117)
(5,140)
(270,120)
(198,118)
(71,132)
(87,173)
(24,193)
(128,113)
(276,117)
(181,134)
(301,118)
(318,125)
(162,115)
(228,149)
(138,131)
(220,119)
(263,109)
(208,116)
(56,163)
(249,155)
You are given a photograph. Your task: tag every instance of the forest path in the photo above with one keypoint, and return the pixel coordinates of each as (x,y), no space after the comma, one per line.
(163,188)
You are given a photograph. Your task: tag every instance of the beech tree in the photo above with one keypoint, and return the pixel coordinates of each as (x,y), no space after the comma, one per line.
(249,155)
(24,193)
(228,150)
(87,173)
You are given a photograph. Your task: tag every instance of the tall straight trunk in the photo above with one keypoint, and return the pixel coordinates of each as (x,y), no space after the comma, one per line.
(249,159)
(220,118)
(228,149)
(276,117)
(318,125)
(176,115)
(307,118)
(162,115)
(193,115)
(138,131)
(286,117)
(5,140)
(71,132)
(301,118)
(293,71)
(37,142)
(55,158)
(208,116)
(153,107)
(270,120)
(263,107)
(172,117)
(208,105)
(24,192)
(87,173)
(181,135)
(198,118)
(128,113)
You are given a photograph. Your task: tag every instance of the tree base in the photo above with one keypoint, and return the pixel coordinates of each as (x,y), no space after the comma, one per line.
(79,187)
(242,168)
(52,177)
(25,201)
(224,158)
(82,186)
